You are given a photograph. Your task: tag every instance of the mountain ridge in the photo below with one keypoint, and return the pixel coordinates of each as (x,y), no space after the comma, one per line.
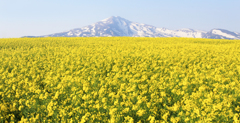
(118,26)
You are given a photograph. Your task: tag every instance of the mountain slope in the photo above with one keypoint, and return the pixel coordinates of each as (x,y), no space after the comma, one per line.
(117,26)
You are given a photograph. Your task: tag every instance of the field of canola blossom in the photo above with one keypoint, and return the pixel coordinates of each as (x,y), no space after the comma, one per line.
(119,79)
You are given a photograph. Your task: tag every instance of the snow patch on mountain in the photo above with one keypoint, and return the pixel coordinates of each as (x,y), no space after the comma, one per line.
(219,32)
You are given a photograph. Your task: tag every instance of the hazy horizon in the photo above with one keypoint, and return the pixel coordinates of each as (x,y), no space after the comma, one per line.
(34,18)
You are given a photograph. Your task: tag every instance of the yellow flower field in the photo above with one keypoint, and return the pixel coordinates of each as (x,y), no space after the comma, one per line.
(119,79)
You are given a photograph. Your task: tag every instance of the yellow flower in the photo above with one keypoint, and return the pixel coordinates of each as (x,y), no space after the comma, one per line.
(56,95)
(165,116)
(151,119)
(104,100)
(163,94)
(112,111)
(20,108)
(85,117)
(235,118)
(139,121)
(149,104)
(126,110)
(187,119)
(135,107)
(140,112)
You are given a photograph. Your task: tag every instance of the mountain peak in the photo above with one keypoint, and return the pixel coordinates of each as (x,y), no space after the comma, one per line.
(115,18)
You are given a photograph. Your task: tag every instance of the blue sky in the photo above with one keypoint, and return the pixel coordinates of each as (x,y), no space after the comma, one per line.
(39,17)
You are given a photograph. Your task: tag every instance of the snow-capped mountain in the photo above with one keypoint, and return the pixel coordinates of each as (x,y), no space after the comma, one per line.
(222,34)
(117,26)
